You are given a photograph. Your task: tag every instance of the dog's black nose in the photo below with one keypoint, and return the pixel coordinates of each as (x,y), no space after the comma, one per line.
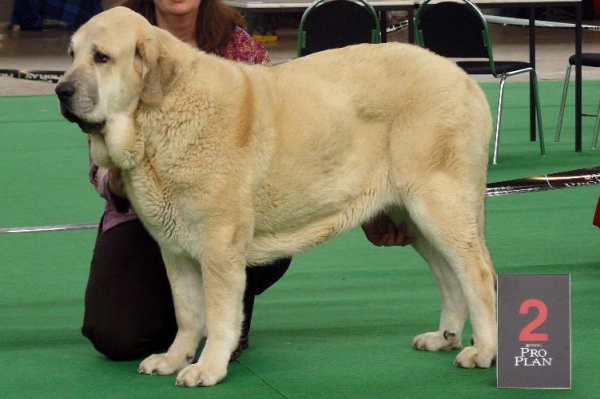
(64,91)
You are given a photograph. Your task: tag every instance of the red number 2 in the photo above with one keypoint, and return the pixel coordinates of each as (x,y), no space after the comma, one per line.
(527,333)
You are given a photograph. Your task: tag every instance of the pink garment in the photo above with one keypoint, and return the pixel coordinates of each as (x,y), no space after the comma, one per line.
(242,47)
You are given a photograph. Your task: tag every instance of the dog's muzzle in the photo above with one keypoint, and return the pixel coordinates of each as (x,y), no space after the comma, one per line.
(65,91)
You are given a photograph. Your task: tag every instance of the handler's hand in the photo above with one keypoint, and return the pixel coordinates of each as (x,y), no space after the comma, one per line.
(382,231)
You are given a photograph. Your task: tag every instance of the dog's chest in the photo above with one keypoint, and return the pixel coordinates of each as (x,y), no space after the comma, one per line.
(154,201)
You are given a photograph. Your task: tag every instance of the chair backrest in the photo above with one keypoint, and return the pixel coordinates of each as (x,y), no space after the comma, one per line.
(328,24)
(453,29)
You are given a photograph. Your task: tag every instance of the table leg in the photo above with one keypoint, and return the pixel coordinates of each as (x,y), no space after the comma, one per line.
(411,25)
(532,110)
(383,25)
(578,39)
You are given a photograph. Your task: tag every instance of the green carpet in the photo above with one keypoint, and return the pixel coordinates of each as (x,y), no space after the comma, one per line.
(338,325)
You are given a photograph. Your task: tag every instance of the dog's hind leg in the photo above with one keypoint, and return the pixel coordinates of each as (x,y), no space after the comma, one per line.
(454,306)
(189,300)
(448,214)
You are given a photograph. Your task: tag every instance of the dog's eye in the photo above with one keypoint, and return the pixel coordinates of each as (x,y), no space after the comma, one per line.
(100,58)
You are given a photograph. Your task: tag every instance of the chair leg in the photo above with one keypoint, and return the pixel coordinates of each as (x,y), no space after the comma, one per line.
(562,104)
(538,112)
(596,128)
(499,119)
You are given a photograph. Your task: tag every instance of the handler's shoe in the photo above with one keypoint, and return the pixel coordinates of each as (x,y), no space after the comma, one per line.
(244,341)
(236,354)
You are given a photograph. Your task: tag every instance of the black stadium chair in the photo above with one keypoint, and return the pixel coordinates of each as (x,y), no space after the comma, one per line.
(458,30)
(328,24)
(587,60)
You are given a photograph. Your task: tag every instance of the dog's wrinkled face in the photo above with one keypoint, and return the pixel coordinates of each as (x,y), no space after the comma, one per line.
(105,78)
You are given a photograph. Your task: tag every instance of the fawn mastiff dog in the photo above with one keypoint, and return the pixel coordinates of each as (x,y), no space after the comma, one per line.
(229,165)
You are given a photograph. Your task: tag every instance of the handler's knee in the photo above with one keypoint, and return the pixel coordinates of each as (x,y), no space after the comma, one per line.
(124,345)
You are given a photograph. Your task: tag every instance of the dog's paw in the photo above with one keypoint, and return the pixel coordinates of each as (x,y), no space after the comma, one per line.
(473,356)
(198,375)
(437,341)
(162,365)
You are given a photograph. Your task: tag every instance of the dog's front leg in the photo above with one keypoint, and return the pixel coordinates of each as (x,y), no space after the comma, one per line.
(188,297)
(224,283)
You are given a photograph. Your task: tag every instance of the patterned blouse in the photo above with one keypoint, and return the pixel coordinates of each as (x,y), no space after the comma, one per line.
(242,47)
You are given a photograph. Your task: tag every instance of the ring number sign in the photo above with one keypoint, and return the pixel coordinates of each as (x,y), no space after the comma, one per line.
(534,331)
(527,333)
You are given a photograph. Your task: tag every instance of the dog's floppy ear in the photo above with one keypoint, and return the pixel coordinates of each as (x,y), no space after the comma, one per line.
(159,68)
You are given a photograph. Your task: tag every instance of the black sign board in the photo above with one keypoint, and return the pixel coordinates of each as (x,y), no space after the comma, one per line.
(534,331)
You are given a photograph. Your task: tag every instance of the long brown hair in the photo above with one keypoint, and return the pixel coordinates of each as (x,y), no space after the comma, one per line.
(214,25)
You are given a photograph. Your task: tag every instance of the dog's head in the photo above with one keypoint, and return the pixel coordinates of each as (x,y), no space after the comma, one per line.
(119,60)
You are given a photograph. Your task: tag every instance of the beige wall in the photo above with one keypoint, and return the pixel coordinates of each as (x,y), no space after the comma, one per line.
(6,7)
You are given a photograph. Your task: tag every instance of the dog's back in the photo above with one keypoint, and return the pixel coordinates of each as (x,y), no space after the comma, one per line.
(353,130)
